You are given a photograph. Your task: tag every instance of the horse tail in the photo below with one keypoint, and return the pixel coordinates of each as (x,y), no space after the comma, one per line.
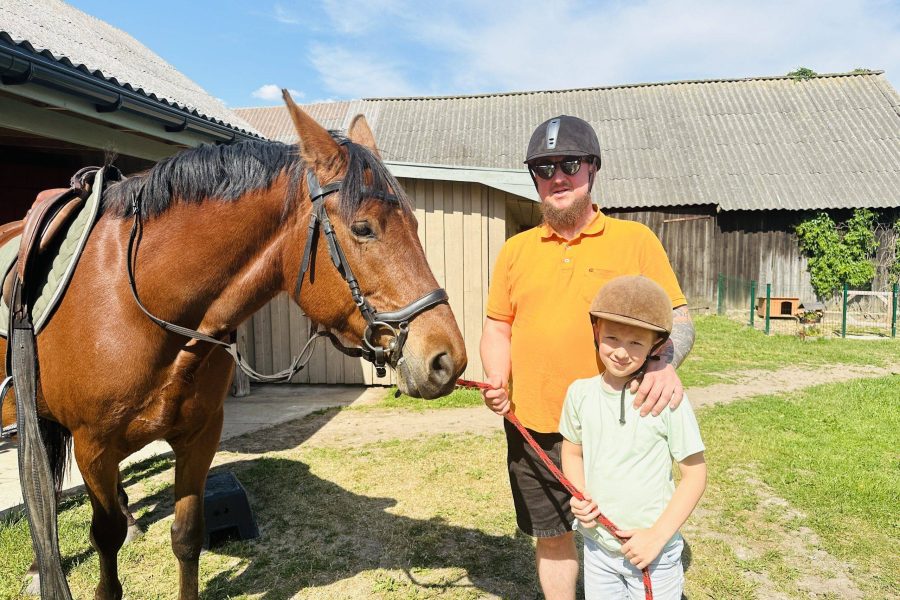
(58,444)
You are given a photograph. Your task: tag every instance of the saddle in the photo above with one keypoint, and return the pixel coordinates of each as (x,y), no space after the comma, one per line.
(50,239)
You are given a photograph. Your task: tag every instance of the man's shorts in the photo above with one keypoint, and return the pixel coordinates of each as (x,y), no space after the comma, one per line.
(542,503)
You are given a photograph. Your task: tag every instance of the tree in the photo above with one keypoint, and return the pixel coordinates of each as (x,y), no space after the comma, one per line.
(839,255)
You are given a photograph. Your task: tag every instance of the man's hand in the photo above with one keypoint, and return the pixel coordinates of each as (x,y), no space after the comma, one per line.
(496,398)
(585,511)
(660,388)
(642,547)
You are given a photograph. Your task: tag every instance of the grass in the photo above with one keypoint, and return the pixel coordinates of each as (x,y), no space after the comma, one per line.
(724,348)
(804,487)
(831,453)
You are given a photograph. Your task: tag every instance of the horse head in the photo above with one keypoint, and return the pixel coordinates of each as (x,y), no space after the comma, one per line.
(365,276)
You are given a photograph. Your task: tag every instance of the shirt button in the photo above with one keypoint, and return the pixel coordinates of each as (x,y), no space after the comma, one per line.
(565,260)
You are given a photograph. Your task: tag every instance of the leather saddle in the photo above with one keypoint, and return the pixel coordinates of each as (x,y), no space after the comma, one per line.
(47,219)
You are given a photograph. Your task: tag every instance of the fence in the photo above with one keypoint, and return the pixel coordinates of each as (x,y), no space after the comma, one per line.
(785,310)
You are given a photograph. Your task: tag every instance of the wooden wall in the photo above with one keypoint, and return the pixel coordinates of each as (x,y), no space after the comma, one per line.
(461,226)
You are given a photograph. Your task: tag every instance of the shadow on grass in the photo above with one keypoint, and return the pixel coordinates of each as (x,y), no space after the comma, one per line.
(314,533)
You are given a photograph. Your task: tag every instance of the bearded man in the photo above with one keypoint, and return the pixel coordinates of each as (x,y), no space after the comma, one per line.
(535,340)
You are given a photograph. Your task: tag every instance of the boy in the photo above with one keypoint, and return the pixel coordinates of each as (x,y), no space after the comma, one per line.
(622,462)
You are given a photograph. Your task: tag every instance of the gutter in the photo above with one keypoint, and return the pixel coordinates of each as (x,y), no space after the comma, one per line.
(19,66)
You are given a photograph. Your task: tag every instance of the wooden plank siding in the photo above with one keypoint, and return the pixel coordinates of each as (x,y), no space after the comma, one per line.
(461,227)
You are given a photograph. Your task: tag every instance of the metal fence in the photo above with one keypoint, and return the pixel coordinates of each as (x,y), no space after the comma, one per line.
(784,310)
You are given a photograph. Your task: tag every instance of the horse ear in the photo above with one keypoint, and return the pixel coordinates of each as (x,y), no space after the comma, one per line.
(316,144)
(360,133)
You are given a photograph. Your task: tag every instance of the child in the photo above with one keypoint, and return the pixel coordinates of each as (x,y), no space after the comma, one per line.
(622,462)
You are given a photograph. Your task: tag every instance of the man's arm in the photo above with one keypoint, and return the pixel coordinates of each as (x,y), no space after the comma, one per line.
(661,386)
(496,344)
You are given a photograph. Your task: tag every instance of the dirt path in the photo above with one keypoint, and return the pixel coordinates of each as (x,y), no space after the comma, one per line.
(359,427)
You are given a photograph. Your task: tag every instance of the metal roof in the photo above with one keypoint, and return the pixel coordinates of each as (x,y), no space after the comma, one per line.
(61,36)
(832,141)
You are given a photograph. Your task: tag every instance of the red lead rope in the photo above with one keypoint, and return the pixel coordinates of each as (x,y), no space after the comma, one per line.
(601,518)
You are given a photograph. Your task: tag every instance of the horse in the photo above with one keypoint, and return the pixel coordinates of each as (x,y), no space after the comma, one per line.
(223,230)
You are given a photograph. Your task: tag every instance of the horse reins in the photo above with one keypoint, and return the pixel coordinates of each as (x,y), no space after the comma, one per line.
(563,480)
(396,322)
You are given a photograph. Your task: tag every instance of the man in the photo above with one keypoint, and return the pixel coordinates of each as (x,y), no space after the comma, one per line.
(542,286)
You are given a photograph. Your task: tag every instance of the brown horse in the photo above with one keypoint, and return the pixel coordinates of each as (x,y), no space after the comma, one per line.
(224,231)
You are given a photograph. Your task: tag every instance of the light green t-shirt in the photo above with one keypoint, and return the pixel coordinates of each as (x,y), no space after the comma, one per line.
(627,468)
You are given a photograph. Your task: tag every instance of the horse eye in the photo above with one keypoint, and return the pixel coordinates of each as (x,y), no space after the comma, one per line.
(362,229)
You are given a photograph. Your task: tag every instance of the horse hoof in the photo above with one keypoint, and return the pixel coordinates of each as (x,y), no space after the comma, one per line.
(32,584)
(134,533)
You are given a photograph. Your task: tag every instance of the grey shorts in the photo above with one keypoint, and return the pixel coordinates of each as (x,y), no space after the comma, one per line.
(542,503)
(611,575)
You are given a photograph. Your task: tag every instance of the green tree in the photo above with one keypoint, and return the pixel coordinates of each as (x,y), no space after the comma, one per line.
(839,255)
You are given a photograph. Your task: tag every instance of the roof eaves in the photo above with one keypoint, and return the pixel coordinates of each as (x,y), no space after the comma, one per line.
(22,63)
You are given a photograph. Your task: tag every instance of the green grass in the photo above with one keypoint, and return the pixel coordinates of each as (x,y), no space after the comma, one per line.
(725,347)
(459,398)
(832,453)
(432,517)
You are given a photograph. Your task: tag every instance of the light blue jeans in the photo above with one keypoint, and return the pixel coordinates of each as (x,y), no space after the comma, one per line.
(610,576)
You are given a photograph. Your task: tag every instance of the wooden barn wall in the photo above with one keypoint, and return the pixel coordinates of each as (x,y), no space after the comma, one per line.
(461,226)
(742,245)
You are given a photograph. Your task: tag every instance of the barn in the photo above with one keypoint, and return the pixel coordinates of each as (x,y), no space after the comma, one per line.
(721,170)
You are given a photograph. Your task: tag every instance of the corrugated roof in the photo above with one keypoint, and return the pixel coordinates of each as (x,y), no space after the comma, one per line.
(832,141)
(64,34)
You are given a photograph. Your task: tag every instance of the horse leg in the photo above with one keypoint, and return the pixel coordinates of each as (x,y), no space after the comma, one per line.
(134,530)
(100,471)
(193,456)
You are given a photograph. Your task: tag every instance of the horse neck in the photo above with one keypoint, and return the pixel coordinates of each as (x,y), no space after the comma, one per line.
(212,264)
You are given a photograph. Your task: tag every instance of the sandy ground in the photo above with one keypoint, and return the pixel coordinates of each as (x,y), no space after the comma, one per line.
(352,427)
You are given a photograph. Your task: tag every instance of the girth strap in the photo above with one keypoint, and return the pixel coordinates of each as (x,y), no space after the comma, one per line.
(35,476)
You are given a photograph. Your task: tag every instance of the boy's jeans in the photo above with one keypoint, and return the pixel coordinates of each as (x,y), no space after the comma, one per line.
(609,576)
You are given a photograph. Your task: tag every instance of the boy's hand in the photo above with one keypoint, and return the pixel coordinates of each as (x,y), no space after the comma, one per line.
(496,398)
(642,547)
(586,511)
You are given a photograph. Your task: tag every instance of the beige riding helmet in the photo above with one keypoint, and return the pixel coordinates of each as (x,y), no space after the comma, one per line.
(634,300)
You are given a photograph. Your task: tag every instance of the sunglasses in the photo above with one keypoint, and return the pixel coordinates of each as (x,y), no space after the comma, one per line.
(569,165)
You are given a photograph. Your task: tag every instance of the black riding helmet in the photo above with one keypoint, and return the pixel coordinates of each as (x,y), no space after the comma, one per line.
(563,136)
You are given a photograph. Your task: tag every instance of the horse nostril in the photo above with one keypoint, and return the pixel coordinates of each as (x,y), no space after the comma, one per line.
(441,367)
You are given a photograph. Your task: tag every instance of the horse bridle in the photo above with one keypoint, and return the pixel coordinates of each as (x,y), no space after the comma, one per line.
(395,322)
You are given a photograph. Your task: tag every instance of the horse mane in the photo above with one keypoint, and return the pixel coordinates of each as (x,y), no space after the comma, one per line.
(228,172)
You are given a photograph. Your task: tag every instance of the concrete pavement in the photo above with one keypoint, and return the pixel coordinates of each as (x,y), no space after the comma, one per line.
(266,405)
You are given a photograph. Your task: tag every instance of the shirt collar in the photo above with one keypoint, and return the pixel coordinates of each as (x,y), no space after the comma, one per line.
(594,227)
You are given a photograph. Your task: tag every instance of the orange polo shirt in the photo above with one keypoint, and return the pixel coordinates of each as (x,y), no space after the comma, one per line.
(543,286)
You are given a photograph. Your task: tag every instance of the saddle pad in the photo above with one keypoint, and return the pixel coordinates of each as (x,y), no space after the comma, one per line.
(59,271)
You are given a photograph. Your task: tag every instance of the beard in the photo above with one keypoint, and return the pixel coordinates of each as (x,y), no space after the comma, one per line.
(565,218)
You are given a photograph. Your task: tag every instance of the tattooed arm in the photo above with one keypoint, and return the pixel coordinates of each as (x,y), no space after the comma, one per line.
(661,386)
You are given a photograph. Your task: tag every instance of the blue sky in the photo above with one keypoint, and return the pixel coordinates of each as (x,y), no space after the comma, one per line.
(244,51)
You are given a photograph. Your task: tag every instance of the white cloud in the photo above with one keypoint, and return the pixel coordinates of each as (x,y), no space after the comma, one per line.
(272,93)
(285,15)
(357,74)
(505,45)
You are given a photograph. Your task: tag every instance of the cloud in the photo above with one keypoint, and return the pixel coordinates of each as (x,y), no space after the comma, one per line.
(284,15)
(358,74)
(272,93)
(397,47)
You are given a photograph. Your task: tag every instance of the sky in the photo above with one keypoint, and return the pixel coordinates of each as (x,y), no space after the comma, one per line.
(244,52)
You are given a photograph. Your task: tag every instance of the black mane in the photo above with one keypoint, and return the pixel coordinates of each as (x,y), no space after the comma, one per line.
(228,172)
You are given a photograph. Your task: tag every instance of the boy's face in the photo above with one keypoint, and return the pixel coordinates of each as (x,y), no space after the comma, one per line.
(622,348)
